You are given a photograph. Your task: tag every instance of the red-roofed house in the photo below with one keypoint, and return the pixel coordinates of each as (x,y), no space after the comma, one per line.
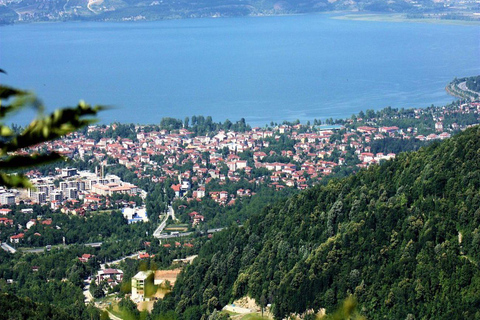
(177,189)
(85,257)
(6,221)
(5,211)
(16,238)
(114,275)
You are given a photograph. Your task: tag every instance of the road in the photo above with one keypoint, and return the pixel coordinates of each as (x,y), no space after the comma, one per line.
(36,250)
(133,255)
(93,2)
(463,86)
(87,294)
(158,232)
(8,248)
(184,234)
(41,249)
(93,244)
(112,316)
(171,213)
(171,236)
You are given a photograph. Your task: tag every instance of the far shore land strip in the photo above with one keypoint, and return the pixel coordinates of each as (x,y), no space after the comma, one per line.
(399,18)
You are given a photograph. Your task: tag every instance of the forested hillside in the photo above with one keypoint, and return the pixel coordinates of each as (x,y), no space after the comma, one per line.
(122,10)
(402,237)
(14,307)
(473,83)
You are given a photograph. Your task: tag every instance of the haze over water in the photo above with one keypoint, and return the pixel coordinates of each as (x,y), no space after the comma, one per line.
(262,69)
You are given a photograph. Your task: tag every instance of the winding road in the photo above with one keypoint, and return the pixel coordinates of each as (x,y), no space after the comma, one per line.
(158,232)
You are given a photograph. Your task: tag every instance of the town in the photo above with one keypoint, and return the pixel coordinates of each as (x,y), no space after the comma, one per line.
(183,177)
(281,156)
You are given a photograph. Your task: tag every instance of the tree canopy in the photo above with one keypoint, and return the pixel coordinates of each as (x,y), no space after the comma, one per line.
(401,237)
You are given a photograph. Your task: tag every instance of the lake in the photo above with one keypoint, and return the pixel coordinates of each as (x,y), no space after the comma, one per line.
(262,69)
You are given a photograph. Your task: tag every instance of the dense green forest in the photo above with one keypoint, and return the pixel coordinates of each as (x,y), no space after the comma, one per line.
(56,280)
(403,238)
(389,145)
(17,308)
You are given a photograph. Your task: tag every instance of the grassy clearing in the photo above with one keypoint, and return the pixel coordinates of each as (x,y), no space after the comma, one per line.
(176,227)
(179,225)
(230,313)
(254,316)
(116,312)
(107,302)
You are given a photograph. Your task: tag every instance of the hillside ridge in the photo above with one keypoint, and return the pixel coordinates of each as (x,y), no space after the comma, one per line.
(388,235)
(12,11)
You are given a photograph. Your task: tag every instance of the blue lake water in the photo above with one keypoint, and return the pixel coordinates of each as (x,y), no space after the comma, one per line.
(262,69)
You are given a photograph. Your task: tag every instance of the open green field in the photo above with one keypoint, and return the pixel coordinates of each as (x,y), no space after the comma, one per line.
(254,316)
(250,316)
(176,227)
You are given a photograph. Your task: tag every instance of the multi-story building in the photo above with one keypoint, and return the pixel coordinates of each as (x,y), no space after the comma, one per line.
(72,193)
(56,196)
(112,276)
(140,282)
(69,172)
(7,198)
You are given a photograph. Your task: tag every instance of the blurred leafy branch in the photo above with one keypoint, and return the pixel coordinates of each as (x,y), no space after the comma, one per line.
(44,128)
(348,311)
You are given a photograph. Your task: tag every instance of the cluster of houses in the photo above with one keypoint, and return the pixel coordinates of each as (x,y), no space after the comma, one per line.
(143,280)
(17,238)
(72,192)
(76,192)
(225,155)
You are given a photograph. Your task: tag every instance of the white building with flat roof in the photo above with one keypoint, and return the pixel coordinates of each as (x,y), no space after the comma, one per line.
(136,214)
(139,284)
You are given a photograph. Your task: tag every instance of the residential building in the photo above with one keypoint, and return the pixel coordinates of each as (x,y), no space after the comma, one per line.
(140,283)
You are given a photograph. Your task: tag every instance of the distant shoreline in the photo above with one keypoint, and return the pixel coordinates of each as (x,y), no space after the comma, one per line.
(402,18)
(178,79)
(459,90)
(337,15)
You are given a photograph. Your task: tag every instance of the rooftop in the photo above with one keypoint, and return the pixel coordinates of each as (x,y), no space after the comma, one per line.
(142,275)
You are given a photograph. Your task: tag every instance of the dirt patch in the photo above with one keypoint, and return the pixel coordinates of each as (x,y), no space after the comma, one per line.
(145,305)
(176,229)
(170,275)
(160,294)
(247,303)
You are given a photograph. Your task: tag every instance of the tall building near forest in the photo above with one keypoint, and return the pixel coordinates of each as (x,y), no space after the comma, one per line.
(140,283)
